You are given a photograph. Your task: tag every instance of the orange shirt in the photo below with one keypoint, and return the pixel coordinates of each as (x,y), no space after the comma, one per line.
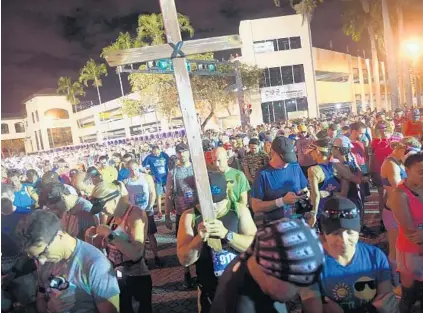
(414,129)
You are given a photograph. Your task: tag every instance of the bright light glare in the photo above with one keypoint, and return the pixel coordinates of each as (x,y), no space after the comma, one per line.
(413,47)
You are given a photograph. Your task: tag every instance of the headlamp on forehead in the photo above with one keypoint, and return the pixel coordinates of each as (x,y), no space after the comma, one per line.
(337,214)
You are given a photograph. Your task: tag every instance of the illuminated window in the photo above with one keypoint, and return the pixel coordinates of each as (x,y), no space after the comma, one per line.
(56,114)
(4,128)
(19,127)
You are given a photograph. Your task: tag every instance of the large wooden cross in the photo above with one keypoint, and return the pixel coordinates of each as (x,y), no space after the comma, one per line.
(177,50)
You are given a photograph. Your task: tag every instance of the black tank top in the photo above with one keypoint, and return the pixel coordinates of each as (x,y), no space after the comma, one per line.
(204,265)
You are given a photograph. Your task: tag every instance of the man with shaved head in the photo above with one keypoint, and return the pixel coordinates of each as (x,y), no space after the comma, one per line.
(238,185)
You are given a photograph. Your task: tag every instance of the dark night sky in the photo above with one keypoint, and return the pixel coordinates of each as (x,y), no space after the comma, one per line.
(45,39)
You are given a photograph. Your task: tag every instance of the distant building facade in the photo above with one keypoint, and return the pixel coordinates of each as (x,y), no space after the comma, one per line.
(298,81)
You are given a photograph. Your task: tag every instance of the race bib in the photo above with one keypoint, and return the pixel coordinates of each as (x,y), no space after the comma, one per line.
(140,200)
(189,197)
(221,260)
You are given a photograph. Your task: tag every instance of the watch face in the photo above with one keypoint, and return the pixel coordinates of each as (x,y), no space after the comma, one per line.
(230,236)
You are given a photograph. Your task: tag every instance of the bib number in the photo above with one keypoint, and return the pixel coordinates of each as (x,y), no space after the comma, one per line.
(221,260)
(140,200)
(189,197)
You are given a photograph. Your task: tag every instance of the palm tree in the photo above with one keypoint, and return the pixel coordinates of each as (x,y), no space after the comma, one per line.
(391,55)
(70,89)
(404,65)
(93,72)
(124,41)
(365,17)
(151,30)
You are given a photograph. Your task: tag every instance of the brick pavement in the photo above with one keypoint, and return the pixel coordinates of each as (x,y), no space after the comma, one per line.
(169,296)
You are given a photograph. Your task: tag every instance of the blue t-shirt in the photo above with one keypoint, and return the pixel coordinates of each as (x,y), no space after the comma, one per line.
(91,277)
(158,166)
(271,183)
(123,174)
(354,285)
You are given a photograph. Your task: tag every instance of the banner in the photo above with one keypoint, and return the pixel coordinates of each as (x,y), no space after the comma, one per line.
(263,47)
(285,92)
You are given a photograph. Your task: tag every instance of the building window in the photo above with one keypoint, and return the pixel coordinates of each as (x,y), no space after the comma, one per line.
(36,116)
(365,76)
(283,44)
(295,43)
(287,76)
(4,128)
(356,75)
(59,137)
(299,73)
(56,114)
(275,76)
(36,140)
(41,139)
(19,127)
(278,111)
(33,118)
(278,44)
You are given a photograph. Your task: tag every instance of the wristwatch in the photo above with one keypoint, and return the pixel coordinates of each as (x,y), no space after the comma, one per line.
(229,236)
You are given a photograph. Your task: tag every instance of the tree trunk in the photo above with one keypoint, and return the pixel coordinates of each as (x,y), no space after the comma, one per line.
(98,93)
(375,67)
(391,56)
(120,82)
(207,120)
(405,66)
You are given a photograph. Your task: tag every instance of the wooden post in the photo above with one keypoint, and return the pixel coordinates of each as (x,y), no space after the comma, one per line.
(186,102)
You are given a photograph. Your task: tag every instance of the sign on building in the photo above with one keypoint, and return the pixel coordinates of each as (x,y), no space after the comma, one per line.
(285,92)
(263,47)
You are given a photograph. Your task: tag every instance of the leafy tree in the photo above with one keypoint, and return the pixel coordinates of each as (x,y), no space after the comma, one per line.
(303,7)
(70,89)
(158,91)
(151,30)
(124,41)
(93,72)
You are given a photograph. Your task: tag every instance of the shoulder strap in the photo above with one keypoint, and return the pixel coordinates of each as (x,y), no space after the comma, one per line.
(174,180)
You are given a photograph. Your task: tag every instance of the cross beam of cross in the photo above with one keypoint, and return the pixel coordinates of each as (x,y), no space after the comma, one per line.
(178,50)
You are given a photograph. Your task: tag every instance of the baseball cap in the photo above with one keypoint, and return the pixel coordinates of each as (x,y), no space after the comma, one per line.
(181,147)
(340,213)
(285,148)
(302,128)
(289,250)
(218,186)
(93,171)
(342,142)
(398,110)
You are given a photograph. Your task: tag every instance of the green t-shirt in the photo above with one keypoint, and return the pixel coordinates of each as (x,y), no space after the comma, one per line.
(237,184)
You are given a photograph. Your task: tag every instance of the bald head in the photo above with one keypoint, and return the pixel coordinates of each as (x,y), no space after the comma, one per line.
(220,159)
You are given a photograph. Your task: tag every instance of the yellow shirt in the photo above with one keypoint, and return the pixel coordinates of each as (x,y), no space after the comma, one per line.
(109,174)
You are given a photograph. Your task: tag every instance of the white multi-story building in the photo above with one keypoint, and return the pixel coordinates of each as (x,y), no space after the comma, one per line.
(298,81)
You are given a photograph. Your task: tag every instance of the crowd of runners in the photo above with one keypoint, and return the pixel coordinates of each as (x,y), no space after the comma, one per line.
(289,202)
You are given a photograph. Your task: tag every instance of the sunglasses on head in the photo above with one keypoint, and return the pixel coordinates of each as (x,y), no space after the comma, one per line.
(336,214)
